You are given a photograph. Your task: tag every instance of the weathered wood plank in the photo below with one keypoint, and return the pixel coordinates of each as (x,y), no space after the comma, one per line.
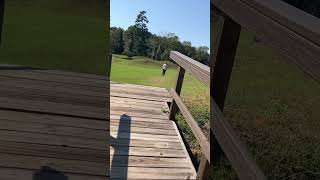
(155,137)
(282,37)
(54,108)
(51,139)
(151,162)
(143,151)
(52,151)
(145,143)
(52,119)
(174,108)
(227,37)
(153,173)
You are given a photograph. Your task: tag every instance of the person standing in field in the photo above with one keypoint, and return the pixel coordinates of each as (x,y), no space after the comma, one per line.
(164,68)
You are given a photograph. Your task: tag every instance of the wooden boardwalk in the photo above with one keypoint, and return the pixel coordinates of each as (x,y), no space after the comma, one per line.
(55,124)
(52,125)
(145,144)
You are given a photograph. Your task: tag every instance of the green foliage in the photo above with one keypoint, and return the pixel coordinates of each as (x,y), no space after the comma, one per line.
(136,36)
(116,40)
(139,42)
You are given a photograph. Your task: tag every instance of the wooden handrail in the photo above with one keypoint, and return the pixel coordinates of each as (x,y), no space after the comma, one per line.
(201,138)
(291,32)
(235,150)
(196,69)
(202,73)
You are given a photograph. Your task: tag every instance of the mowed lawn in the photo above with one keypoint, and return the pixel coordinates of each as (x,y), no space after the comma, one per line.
(56,34)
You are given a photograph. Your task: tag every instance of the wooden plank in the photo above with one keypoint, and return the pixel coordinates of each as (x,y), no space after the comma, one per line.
(53,87)
(138,87)
(174,108)
(148,152)
(142,119)
(155,137)
(303,23)
(57,129)
(143,97)
(202,173)
(26,74)
(139,101)
(137,91)
(52,96)
(201,138)
(146,110)
(144,143)
(285,41)
(235,150)
(54,108)
(51,139)
(150,162)
(143,130)
(52,151)
(52,120)
(143,124)
(153,173)
(228,33)
(134,114)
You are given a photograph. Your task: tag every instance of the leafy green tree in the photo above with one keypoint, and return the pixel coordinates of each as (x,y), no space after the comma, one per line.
(130,41)
(202,54)
(116,40)
(136,36)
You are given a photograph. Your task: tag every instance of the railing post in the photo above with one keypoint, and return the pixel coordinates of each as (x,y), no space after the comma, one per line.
(226,36)
(2,5)
(174,107)
(202,173)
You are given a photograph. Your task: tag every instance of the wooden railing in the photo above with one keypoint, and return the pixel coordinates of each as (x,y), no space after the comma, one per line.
(289,31)
(202,73)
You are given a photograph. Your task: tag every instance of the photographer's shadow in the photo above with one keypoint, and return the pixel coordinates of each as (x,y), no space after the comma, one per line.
(48,173)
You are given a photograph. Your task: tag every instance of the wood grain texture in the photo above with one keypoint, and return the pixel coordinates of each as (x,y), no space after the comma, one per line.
(53,120)
(295,38)
(196,69)
(64,121)
(145,144)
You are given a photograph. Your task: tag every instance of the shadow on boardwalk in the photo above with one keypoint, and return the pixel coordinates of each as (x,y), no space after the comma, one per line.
(120,158)
(48,173)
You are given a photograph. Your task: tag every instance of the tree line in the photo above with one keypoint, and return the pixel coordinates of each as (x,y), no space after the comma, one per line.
(138,41)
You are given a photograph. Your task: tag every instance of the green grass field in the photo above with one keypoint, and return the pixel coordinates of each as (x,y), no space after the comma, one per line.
(57,34)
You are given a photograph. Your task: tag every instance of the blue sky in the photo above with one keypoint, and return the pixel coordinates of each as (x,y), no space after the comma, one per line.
(189,19)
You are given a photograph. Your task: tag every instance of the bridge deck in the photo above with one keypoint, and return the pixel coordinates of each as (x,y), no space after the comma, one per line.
(145,144)
(54,124)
